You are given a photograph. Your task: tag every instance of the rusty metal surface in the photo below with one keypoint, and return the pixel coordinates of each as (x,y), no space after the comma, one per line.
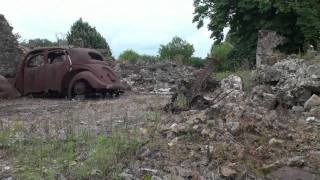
(57,69)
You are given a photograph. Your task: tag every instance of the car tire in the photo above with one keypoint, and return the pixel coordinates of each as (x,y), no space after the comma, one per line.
(80,89)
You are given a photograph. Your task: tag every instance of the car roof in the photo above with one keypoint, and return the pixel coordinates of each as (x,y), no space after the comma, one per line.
(39,50)
(76,54)
(36,50)
(82,54)
(73,51)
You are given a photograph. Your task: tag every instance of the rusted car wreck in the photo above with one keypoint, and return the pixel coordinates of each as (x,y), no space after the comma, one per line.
(66,71)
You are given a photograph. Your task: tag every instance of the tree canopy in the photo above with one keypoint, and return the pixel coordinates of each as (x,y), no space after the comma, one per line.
(89,36)
(177,47)
(297,20)
(33,43)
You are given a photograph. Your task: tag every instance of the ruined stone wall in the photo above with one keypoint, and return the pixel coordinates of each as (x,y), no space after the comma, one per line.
(10,54)
(267,42)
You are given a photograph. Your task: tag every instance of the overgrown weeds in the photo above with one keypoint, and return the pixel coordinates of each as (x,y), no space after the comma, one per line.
(79,155)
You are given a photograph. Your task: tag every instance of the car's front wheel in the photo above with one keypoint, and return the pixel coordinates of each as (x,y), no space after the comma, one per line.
(80,89)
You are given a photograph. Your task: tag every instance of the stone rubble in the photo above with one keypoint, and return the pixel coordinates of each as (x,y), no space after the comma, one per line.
(239,136)
(291,80)
(153,77)
(312,102)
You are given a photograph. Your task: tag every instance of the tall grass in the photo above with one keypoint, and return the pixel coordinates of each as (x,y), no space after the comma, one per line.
(79,155)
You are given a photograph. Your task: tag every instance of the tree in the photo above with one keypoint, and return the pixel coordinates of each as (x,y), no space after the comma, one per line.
(34,43)
(177,47)
(88,36)
(298,21)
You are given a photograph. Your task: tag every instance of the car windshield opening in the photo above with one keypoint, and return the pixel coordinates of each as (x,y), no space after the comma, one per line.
(36,61)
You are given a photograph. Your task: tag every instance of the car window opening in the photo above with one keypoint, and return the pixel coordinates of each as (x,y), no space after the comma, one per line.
(56,57)
(95,56)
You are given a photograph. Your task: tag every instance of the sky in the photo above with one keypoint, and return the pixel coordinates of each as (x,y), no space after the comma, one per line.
(141,25)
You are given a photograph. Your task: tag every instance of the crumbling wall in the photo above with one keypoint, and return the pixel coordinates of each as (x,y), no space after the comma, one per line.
(10,54)
(6,89)
(267,42)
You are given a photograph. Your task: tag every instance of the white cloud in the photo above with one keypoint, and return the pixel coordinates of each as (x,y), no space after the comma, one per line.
(141,25)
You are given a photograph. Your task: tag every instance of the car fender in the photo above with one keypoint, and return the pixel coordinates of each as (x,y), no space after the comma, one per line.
(89,77)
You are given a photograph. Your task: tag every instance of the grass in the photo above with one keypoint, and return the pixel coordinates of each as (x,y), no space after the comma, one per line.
(181,102)
(246,76)
(153,124)
(109,156)
(313,60)
(79,156)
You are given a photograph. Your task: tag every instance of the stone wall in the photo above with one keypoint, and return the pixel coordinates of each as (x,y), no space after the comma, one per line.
(10,54)
(267,42)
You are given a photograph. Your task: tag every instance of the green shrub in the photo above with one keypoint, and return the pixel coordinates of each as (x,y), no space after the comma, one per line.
(177,47)
(129,55)
(222,52)
(145,57)
(181,102)
(196,62)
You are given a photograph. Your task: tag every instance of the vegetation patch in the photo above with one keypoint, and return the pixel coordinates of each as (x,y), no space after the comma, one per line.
(81,156)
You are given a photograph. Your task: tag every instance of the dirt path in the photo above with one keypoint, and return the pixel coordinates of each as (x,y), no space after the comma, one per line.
(129,109)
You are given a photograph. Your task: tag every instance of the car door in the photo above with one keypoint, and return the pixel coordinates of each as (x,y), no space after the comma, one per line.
(34,79)
(57,67)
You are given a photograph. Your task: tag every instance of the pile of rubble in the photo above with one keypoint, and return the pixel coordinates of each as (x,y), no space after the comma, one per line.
(271,134)
(153,76)
(291,81)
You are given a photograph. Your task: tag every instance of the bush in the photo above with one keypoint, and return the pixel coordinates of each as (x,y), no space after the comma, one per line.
(222,52)
(177,47)
(196,62)
(145,57)
(129,55)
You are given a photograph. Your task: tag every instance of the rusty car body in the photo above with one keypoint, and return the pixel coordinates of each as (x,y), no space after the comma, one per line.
(67,71)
